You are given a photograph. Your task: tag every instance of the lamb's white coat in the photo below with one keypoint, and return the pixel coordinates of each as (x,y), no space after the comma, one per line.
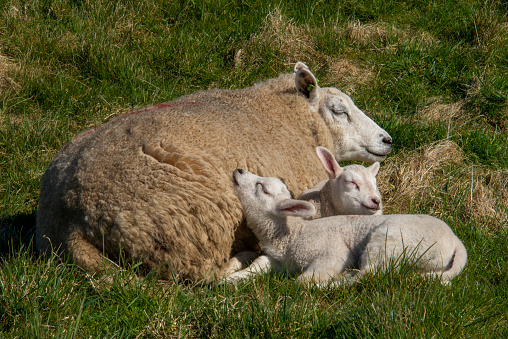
(326,249)
(349,190)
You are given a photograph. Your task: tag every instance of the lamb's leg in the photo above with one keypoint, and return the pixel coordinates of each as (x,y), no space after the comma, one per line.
(239,262)
(324,271)
(262,264)
(457,263)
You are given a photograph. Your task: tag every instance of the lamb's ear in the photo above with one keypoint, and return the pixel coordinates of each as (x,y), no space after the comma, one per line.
(329,163)
(306,83)
(374,168)
(295,208)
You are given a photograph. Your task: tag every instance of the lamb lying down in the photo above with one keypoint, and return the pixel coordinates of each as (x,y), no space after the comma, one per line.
(349,190)
(324,250)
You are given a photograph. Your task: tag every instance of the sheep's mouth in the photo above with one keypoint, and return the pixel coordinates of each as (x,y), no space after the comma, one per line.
(372,209)
(376,154)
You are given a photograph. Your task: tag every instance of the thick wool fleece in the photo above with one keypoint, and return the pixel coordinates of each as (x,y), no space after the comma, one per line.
(155,185)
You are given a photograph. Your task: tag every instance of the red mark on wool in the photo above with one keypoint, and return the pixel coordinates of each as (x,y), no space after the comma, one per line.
(85,133)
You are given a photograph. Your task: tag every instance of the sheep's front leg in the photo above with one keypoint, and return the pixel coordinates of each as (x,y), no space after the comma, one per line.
(261,264)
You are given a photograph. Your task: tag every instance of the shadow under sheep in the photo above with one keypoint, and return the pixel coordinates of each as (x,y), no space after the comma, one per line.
(17,233)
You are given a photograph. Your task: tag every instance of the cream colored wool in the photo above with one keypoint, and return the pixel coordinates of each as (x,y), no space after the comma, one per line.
(155,185)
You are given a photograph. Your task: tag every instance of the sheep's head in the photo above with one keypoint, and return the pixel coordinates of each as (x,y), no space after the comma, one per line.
(267,198)
(353,188)
(355,135)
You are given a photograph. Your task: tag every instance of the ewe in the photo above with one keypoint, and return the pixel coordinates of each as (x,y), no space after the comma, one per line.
(325,249)
(349,190)
(154,186)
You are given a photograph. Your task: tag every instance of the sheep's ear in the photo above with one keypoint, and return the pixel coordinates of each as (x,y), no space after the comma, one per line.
(306,83)
(329,163)
(374,168)
(295,208)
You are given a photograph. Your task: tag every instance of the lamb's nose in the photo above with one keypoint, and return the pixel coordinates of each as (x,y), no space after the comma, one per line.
(376,201)
(240,170)
(387,140)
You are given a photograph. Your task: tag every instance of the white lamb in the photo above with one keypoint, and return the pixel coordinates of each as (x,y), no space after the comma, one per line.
(349,190)
(325,249)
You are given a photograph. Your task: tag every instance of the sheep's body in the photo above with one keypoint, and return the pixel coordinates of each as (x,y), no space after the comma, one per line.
(155,185)
(325,249)
(349,190)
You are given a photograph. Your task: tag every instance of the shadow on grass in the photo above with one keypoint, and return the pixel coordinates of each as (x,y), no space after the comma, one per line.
(350,327)
(17,232)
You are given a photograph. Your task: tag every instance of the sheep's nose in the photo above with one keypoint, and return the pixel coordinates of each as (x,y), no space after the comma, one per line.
(388,140)
(376,201)
(240,170)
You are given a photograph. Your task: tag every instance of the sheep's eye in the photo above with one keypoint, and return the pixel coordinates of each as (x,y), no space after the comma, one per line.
(262,187)
(354,185)
(339,112)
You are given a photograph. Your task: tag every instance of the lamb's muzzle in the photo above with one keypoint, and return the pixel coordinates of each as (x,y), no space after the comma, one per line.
(236,172)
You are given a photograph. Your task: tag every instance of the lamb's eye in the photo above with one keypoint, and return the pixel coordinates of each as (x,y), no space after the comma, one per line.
(260,185)
(354,185)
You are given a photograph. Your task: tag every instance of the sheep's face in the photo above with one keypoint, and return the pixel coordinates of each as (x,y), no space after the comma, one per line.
(267,199)
(359,137)
(258,195)
(355,190)
(356,136)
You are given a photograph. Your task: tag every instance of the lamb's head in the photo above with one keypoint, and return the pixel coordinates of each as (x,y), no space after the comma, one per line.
(356,136)
(265,198)
(353,188)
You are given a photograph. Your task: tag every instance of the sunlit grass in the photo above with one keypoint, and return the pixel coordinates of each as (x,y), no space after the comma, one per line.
(433,74)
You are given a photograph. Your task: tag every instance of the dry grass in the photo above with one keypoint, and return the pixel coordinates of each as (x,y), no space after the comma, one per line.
(292,42)
(7,67)
(440,177)
(347,76)
(380,32)
(452,114)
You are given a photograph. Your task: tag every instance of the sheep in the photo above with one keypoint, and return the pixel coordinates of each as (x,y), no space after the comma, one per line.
(153,186)
(349,190)
(325,250)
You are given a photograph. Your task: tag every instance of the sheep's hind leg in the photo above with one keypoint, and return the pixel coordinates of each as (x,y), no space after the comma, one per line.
(85,254)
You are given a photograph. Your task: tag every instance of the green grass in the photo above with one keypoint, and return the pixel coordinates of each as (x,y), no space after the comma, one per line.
(71,65)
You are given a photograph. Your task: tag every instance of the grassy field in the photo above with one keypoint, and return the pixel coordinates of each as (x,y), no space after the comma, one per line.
(432,74)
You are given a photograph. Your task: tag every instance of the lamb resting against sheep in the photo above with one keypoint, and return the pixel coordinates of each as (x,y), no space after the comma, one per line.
(324,249)
(349,190)
(154,186)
